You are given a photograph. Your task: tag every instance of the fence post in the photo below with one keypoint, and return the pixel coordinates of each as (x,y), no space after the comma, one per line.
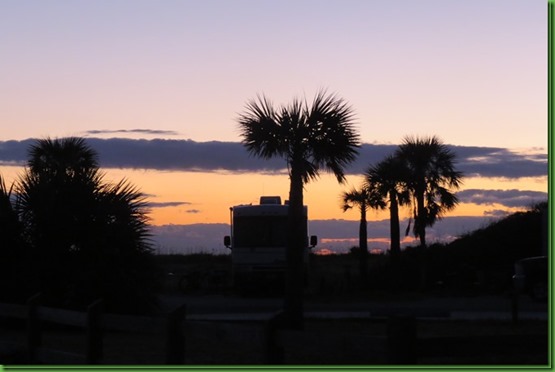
(94,332)
(401,340)
(175,338)
(34,336)
(514,306)
(274,351)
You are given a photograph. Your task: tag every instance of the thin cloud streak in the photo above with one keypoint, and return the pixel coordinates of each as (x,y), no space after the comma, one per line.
(166,204)
(155,132)
(189,155)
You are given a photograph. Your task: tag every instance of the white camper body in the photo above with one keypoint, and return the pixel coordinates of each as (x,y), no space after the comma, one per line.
(258,243)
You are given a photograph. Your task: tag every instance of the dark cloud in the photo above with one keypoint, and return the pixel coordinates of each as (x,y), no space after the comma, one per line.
(14,152)
(188,155)
(508,198)
(192,211)
(499,162)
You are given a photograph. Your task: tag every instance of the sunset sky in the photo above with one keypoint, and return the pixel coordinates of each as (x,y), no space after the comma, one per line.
(156,87)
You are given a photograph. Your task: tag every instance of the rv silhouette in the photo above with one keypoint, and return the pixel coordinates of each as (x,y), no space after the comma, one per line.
(258,244)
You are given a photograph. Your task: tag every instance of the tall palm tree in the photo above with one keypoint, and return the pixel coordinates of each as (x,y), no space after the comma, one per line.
(310,137)
(432,178)
(388,179)
(362,199)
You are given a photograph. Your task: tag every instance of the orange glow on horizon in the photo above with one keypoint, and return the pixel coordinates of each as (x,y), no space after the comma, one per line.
(205,197)
(323,252)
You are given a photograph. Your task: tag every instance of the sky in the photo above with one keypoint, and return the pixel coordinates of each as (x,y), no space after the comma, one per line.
(156,88)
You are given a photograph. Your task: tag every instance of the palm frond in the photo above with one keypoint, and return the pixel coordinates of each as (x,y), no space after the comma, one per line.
(263,134)
(312,137)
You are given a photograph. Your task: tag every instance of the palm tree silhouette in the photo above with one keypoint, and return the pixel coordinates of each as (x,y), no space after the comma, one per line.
(57,193)
(363,199)
(87,238)
(431,177)
(63,158)
(388,180)
(310,137)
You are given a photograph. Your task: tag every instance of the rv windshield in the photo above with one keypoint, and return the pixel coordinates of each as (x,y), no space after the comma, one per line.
(260,231)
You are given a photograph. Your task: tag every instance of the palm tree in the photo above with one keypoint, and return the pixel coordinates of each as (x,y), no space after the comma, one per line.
(309,137)
(88,238)
(431,178)
(63,158)
(57,194)
(362,199)
(387,179)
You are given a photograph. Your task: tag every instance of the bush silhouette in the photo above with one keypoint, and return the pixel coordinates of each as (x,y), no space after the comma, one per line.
(84,238)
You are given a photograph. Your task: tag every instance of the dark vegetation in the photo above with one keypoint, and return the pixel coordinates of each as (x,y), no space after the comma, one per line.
(72,236)
(75,238)
(480,262)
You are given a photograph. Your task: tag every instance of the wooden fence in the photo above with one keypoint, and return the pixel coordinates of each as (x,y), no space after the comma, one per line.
(398,345)
(94,322)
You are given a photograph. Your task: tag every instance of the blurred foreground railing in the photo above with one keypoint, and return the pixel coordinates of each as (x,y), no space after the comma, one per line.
(266,341)
(94,323)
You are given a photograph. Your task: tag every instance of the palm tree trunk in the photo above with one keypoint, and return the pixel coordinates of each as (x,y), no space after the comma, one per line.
(394,228)
(420,219)
(363,243)
(395,244)
(293,301)
(421,229)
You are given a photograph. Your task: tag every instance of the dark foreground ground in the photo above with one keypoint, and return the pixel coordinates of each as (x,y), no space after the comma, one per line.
(231,330)
(330,342)
(343,327)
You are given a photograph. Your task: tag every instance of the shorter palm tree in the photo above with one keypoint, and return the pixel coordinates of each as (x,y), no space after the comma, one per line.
(388,179)
(431,178)
(358,198)
(362,199)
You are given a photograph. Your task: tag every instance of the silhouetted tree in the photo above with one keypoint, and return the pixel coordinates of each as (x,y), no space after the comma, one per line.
(88,238)
(8,217)
(388,179)
(362,199)
(431,179)
(12,249)
(309,137)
